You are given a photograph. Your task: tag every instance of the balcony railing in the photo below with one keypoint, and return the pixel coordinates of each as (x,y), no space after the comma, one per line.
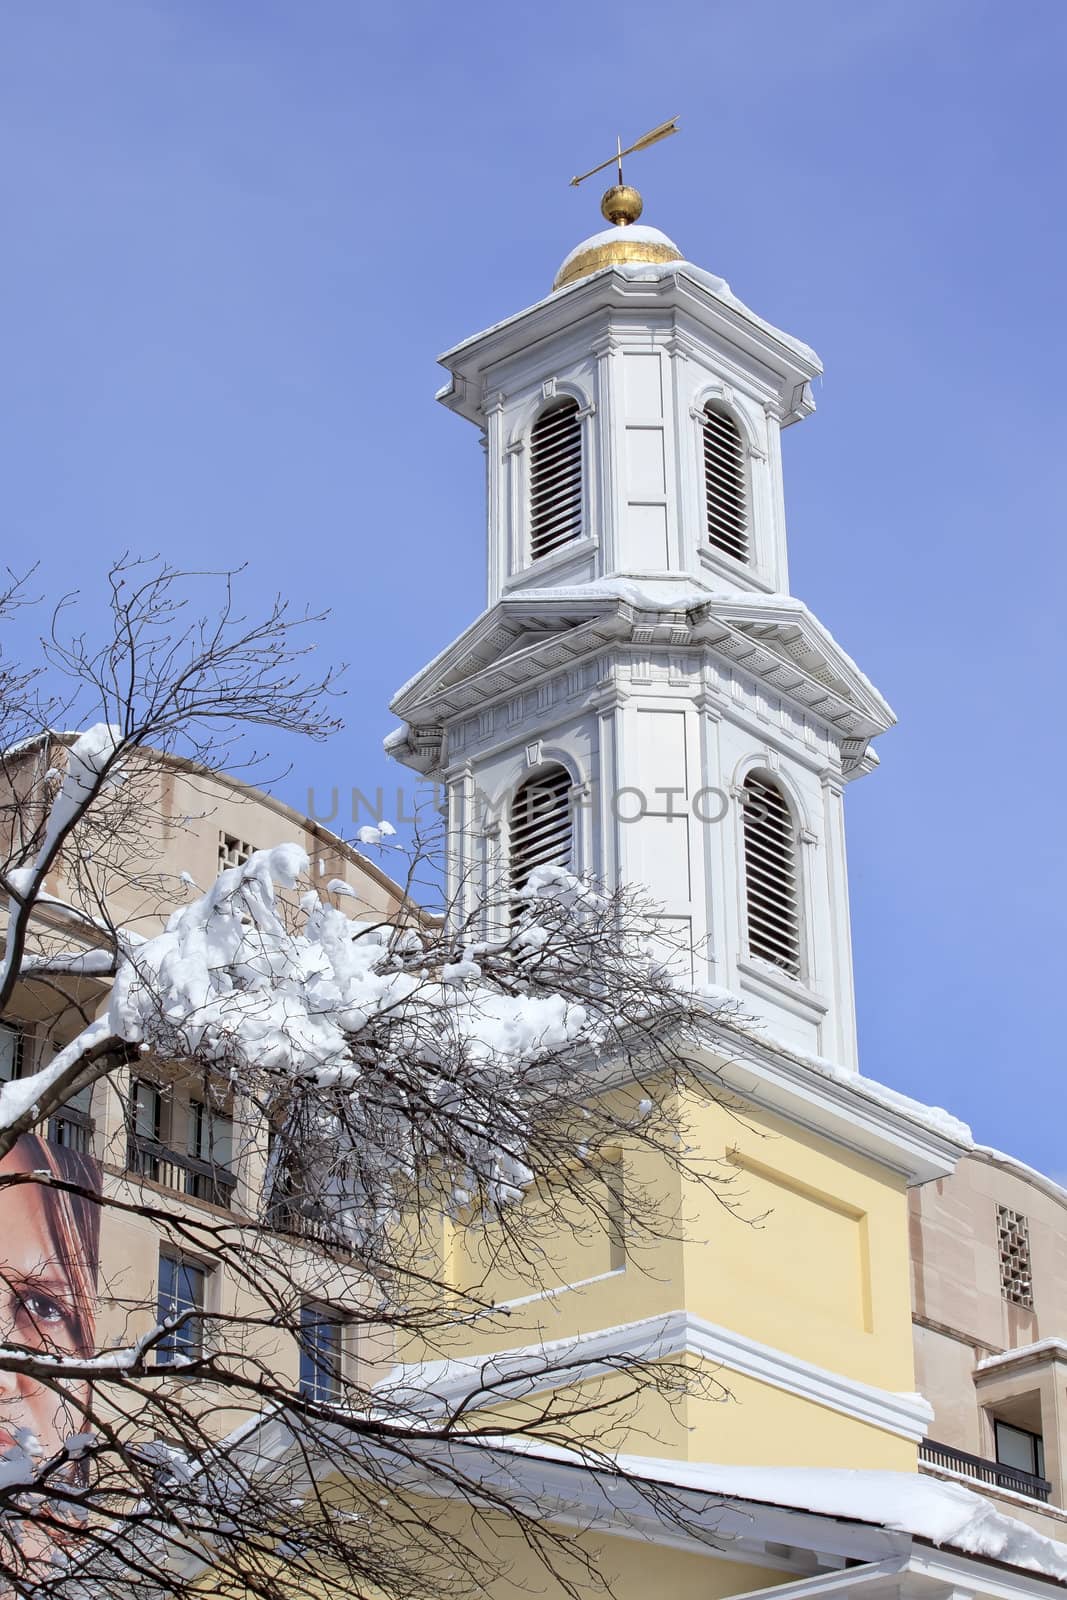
(995,1473)
(201,1180)
(285,1214)
(72,1128)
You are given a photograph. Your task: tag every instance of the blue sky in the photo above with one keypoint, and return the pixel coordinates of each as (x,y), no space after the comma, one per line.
(237,233)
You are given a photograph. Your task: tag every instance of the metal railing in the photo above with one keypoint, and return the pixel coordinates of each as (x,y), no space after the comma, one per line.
(996,1473)
(172,1169)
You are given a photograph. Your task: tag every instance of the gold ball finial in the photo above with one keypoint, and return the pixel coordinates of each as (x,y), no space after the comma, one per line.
(621,204)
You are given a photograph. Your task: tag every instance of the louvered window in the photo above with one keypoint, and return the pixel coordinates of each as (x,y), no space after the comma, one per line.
(555,479)
(772,891)
(725,489)
(540,825)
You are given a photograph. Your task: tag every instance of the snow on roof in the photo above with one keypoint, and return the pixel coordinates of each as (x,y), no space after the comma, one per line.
(640,271)
(651,594)
(655,594)
(902,1502)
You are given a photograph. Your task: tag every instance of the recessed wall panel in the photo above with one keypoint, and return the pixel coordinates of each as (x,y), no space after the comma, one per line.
(642,384)
(644,463)
(645,546)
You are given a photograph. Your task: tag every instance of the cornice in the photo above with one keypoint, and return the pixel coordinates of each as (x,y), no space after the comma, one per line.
(789,366)
(779,645)
(439,1387)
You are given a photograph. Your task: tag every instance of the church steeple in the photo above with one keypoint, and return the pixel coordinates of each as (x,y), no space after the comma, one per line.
(640,636)
(681,393)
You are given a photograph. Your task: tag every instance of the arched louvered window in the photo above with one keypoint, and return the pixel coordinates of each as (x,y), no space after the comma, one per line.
(725,487)
(772,881)
(555,479)
(541,825)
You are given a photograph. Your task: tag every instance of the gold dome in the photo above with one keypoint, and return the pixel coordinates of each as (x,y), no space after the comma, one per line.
(621,243)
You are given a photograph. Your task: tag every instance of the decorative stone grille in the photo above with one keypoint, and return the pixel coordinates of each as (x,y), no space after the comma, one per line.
(1013,1240)
(233,852)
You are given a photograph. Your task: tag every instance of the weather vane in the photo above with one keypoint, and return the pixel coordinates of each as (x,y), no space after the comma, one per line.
(654,135)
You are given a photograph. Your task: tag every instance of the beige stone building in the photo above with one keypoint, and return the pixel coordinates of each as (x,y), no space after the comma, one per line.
(162,1138)
(989,1275)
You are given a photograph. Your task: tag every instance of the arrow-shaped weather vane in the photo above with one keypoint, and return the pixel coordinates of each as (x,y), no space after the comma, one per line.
(654,135)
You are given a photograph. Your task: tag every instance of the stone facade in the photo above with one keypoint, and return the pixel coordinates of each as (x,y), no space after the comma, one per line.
(989,1288)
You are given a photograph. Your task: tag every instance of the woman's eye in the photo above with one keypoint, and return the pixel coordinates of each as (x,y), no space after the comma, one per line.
(39,1308)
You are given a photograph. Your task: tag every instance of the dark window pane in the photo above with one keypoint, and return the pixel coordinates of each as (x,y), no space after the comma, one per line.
(1020,1449)
(10,1053)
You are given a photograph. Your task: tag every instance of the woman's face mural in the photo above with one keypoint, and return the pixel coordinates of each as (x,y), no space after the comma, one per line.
(49,1259)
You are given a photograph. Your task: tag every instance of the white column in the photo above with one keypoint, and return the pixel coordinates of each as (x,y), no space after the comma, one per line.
(844,1046)
(605,464)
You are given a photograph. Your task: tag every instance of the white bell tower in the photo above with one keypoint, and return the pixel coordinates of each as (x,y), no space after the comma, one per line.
(641,670)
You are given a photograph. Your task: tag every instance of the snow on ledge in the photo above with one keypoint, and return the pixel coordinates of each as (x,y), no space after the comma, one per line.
(1057,1348)
(935,1119)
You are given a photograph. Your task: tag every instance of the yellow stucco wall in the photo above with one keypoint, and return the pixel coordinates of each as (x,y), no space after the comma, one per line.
(808,1256)
(822,1270)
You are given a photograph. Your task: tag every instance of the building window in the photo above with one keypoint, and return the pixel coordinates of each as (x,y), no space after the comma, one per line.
(203,1169)
(772,889)
(208,1174)
(555,479)
(1019,1448)
(146,1110)
(1013,1239)
(725,485)
(321,1353)
(144,1153)
(210,1134)
(12,1052)
(72,1124)
(233,852)
(541,826)
(182,1289)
